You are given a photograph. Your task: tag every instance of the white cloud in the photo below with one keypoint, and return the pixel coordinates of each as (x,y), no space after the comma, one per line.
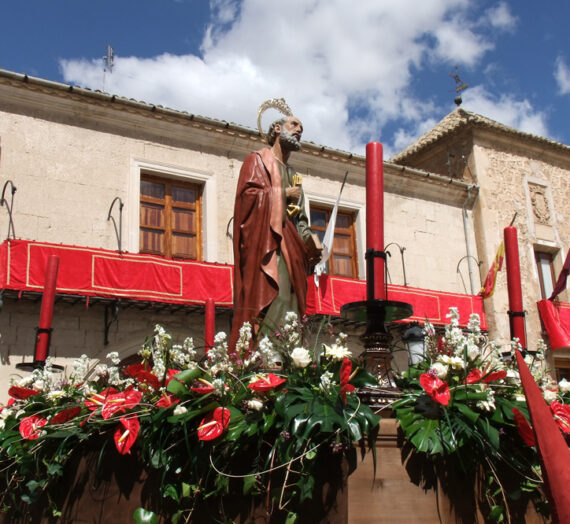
(500,17)
(344,68)
(562,76)
(518,114)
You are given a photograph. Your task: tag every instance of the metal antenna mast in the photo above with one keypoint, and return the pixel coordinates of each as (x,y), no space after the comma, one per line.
(108,61)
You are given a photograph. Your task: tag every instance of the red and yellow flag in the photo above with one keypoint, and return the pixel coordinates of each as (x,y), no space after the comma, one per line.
(489,285)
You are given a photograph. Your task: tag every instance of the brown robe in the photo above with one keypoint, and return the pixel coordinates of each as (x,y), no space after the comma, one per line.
(262,231)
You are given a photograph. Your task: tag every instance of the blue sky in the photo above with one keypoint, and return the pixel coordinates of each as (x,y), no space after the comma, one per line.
(352,71)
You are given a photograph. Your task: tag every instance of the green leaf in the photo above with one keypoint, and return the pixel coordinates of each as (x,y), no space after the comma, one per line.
(249,484)
(170,491)
(144,516)
(465,410)
(179,385)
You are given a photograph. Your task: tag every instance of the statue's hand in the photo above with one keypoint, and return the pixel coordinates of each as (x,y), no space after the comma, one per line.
(293,194)
(314,249)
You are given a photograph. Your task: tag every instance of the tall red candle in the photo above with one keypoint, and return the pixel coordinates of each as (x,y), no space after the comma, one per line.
(46,313)
(210,326)
(375,216)
(516,311)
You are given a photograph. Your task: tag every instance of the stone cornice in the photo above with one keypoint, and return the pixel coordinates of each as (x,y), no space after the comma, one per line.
(108,113)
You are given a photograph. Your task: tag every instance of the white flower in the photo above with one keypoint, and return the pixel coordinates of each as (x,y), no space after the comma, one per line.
(326,381)
(114,357)
(440,369)
(549,395)
(473,351)
(564,386)
(55,394)
(336,352)
(179,410)
(489,404)
(255,404)
(301,357)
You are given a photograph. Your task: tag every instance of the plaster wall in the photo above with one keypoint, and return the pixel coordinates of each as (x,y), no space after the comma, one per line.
(536,187)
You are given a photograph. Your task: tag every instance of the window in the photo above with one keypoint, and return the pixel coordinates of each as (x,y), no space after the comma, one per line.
(170,218)
(562,368)
(545,273)
(343,259)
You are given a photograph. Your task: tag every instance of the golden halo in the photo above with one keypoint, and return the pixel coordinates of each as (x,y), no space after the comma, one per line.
(273,103)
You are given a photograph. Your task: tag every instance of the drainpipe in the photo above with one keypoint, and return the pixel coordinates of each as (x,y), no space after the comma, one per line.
(466,232)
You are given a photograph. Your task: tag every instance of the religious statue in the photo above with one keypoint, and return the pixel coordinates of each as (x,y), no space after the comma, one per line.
(274,248)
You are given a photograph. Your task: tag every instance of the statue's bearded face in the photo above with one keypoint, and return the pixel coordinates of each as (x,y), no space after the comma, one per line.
(290,136)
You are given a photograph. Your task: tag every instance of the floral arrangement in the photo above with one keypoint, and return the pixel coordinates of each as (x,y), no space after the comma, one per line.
(464,404)
(253,422)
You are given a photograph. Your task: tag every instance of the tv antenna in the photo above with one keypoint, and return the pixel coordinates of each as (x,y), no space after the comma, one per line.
(459,86)
(109,62)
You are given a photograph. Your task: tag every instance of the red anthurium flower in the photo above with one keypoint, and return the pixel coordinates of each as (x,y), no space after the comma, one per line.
(524,429)
(167,400)
(65,415)
(30,426)
(96,401)
(22,393)
(474,376)
(143,374)
(436,388)
(345,387)
(496,375)
(170,374)
(202,387)
(267,382)
(126,433)
(214,424)
(120,402)
(561,413)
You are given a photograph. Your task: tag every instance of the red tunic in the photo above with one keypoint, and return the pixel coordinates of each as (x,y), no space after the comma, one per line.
(261,231)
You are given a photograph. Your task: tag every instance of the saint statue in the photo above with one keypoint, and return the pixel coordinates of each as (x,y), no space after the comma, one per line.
(274,248)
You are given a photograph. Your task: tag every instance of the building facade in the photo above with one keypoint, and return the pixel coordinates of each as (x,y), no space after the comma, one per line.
(97,172)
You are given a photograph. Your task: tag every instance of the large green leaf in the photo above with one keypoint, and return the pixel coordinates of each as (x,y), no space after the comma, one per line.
(144,516)
(180,383)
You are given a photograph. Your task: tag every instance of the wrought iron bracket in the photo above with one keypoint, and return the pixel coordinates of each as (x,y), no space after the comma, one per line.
(4,202)
(119,230)
(402,249)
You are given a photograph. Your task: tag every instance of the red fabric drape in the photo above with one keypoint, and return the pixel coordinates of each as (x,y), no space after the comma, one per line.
(558,333)
(551,445)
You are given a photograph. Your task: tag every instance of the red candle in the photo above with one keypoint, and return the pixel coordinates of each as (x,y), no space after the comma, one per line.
(46,313)
(210,326)
(514,285)
(375,216)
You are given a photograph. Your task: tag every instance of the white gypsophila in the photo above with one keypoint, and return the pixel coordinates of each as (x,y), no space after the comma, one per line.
(218,358)
(564,386)
(179,410)
(114,357)
(255,404)
(79,369)
(301,357)
(219,385)
(489,403)
(114,376)
(474,324)
(336,352)
(439,369)
(429,329)
(549,395)
(268,354)
(326,382)
(244,339)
